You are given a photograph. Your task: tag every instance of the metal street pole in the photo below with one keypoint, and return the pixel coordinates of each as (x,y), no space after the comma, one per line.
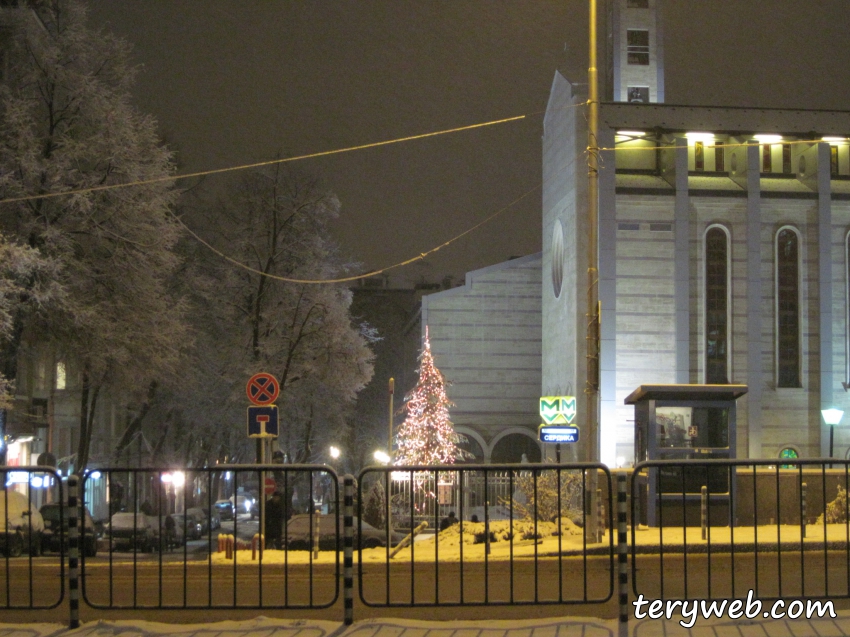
(390,434)
(388,490)
(592,361)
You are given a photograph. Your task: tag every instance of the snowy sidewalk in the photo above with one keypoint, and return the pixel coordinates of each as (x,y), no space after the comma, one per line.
(552,627)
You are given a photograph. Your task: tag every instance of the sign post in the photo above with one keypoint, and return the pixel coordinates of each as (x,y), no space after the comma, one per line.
(262,390)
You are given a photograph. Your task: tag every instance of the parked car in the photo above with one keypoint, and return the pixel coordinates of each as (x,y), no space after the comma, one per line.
(299,533)
(51,540)
(225,509)
(200,517)
(213,518)
(132,531)
(241,504)
(189,526)
(21,525)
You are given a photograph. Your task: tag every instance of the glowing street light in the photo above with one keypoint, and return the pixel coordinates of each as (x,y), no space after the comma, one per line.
(382,456)
(831,417)
(334,451)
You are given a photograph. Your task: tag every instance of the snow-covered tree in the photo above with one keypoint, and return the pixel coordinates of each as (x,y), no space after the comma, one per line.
(274,223)
(427,436)
(66,124)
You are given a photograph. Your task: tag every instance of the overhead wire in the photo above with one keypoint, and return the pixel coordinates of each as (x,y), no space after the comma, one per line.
(239,264)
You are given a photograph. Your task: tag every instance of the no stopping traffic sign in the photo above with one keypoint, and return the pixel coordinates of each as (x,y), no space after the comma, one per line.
(262,389)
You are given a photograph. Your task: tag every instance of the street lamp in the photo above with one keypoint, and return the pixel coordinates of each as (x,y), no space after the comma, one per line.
(831,417)
(334,452)
(382,456)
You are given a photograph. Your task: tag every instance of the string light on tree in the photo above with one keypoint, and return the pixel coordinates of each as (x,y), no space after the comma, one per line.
(427,436)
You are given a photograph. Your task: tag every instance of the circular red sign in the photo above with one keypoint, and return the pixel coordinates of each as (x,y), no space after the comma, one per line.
(262,389)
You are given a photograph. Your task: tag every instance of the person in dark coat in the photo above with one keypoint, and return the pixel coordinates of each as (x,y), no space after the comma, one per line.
(448,521)
(274,521)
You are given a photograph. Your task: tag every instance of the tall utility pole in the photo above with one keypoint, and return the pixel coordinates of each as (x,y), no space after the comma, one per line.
(591,388)
(592,385)
(390,434)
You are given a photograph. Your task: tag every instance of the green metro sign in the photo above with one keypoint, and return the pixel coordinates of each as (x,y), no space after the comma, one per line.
(557,410)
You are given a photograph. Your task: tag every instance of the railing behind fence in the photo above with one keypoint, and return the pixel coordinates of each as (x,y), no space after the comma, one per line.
(31,554)
(486,535)
(166,549)
(724,527)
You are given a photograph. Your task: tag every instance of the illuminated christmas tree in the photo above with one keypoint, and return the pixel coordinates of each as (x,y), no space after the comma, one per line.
(427,436)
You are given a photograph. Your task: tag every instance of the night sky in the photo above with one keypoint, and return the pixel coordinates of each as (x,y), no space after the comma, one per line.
(240,82)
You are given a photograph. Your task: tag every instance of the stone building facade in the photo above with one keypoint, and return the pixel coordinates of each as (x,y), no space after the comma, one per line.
(486,339)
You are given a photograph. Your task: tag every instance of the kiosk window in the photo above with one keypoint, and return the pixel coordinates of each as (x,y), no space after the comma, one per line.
(692,427)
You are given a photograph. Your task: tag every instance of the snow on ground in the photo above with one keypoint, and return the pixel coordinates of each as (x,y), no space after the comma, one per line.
(522,539)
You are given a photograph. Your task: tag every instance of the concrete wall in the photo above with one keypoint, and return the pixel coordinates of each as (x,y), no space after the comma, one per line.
(486,340)
(564,200)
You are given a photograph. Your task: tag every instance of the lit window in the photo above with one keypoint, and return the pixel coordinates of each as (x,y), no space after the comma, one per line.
(833,160)
(766,158)
(60,375)
(699,156)
(786,159)
(787,308)
(716,306)
(637,46)
(719,157)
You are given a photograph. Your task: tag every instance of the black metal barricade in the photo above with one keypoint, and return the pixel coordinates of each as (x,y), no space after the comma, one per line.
(31,553)
(464,535)
(194,539)
(777,528)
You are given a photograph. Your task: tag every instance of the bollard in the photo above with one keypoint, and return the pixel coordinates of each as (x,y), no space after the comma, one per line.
(316,533)
(222,542)
(73,551)
(348,549)
(622,553)
(257,542)
(703,510)
(803,492)
(228,547)
(408,538)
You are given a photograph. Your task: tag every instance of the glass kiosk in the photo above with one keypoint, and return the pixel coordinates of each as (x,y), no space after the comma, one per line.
(684,422)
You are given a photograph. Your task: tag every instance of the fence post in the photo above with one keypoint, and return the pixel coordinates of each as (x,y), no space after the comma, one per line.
(703,510)
(73,552)
(622,559)
(600,516)
(803,492)
(348,549)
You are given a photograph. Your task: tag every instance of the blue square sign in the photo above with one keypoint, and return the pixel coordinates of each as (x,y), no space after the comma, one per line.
(262,422)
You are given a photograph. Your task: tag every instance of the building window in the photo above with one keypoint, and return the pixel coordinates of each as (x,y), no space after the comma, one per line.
(60,375)
(786,159)
(833,160)
(716,306)
(637,46)
(557,258)
(637,4)
(766,159)
(719,157)
(699,156)
(638,94)
(788,308)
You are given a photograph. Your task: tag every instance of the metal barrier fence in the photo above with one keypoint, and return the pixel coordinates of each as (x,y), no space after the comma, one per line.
(520,535)
(725,527)
(32,543)
(167,547)
(507,534)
